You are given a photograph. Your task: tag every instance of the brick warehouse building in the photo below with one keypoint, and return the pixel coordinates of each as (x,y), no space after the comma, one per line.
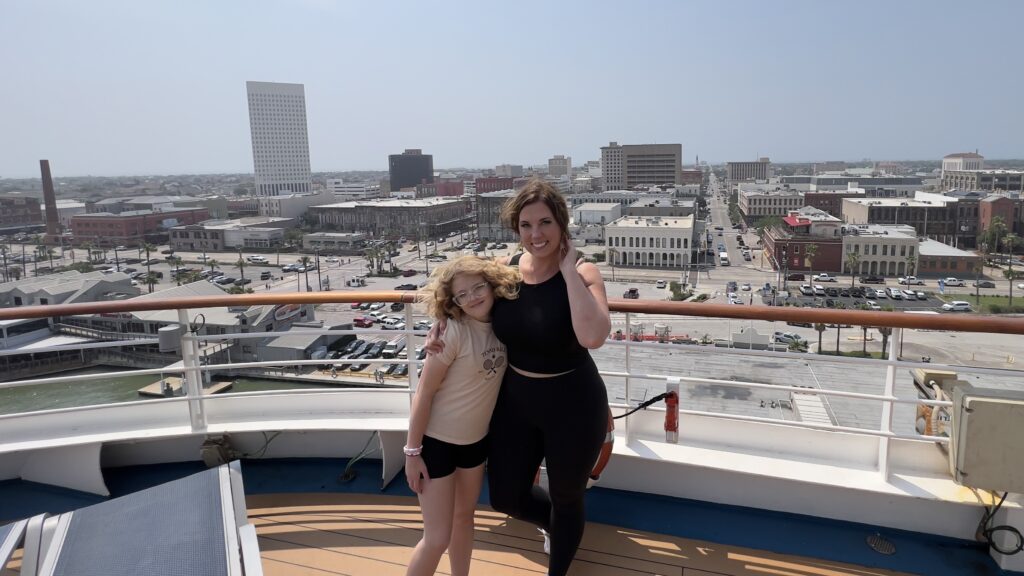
(17,212)
(132,227)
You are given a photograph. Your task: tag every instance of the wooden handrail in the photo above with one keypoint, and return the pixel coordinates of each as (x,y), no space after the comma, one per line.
(954,322)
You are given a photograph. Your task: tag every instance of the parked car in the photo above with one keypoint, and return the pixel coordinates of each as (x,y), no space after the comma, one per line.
(409,272)
(405,287)
(910,280)
(872,279)
(909,295)
(243,281)
(872,305)
(660,284)
(362,322)
(824,277)
(984,284)
(953,282)
(788,338)
(957,306)
(895,293)
(167,251)
(397,306)
(631,293)
(806,290)
(921,295)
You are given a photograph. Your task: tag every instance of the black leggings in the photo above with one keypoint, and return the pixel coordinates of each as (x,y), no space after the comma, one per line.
(562,420)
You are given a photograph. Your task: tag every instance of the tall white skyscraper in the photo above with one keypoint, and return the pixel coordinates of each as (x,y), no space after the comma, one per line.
(280,143)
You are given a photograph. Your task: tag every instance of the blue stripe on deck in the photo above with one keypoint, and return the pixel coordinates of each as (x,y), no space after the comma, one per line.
(779,532)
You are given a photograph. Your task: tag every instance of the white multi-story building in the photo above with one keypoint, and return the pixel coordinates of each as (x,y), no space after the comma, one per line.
(560,166)
(280,143)
(292,205)
(757,201)
(343,191)
(962,161)
(651,241)
(881,250)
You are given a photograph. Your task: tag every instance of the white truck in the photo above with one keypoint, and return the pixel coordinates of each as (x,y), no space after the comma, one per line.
(910,280)
(824,277)
(953,282)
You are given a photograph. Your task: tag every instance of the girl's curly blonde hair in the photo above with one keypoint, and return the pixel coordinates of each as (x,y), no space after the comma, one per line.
(438,296)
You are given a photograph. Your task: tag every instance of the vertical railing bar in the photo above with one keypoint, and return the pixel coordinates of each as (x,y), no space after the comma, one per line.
(192,374)
(629,334)
(887,406)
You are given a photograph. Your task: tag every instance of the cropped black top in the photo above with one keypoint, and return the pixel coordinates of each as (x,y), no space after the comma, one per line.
(536,328)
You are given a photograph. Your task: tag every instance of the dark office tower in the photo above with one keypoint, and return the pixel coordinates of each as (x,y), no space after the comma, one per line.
(410,168)
(50,201)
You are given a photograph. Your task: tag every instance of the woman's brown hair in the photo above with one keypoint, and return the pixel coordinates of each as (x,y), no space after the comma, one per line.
(535,191)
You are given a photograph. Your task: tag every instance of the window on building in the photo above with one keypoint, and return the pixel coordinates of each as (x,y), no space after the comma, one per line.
(903,250)
(885,249)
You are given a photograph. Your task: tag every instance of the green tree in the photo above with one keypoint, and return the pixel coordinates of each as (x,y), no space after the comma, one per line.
(911,263)
(175,262)
(150,279)
(852,264)
(810,252)
(993,235)
(820,328)
(212,263)
(613,256)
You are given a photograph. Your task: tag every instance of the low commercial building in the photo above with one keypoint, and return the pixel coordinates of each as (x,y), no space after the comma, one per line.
(488,216)
(931,215)
(348,191)
(216,206)
(942,260)
(292,205)
(789,245)
(595,213)
(664,207)
(758,201)
(394,218)
(880,250)
(219,235)
(1005,180)
(132,227)
(335,242)
(651,242)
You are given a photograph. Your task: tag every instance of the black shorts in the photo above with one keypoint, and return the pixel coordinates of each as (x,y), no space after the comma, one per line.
(442,458)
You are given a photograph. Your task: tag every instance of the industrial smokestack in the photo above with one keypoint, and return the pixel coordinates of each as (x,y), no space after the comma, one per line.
(50,201)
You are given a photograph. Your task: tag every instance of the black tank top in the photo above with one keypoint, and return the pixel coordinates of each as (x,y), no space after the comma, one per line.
(536,328)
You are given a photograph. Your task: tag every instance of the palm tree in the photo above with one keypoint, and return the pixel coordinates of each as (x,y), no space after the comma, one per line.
(810,251)
(175,262)
(50,254)
(993,235)
(852,262)
(241,269)
(305,260)
(88,251)
(150,279)
(885,331)
(212,263)
(864,341)
(1011,275)
(613,254)
(820,328)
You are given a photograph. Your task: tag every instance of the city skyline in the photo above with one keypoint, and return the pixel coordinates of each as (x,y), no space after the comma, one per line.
(795,81)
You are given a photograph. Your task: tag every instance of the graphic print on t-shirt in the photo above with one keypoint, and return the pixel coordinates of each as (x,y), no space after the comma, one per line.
(494,359)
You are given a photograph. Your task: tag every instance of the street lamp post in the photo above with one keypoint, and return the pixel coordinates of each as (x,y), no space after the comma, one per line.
(319,280)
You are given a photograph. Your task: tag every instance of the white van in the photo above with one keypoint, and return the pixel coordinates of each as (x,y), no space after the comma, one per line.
(392,348)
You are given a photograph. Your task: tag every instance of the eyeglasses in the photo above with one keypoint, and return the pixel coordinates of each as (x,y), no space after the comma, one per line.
(467,296)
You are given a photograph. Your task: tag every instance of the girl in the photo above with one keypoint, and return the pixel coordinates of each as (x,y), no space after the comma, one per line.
(447,442)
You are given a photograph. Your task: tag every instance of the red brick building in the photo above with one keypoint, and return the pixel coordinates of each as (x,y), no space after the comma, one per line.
(103,229)
(494,184)
(450,188)
(19,211)
(992,206)
(786,245)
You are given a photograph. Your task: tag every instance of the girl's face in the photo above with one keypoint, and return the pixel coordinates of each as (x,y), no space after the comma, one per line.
(539,232)
(473,295)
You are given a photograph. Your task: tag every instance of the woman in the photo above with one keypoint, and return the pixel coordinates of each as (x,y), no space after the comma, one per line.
(447,441)
(552,405)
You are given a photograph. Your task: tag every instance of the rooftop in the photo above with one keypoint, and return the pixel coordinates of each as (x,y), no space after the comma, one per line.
(398,202)
(929,247)
(681,222)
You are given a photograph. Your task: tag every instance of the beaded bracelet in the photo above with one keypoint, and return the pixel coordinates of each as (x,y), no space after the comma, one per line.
(412,451)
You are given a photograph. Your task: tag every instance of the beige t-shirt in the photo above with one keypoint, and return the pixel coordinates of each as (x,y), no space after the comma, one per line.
(476,359)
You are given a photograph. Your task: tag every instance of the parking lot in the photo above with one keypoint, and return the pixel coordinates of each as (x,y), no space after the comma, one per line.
(855,298)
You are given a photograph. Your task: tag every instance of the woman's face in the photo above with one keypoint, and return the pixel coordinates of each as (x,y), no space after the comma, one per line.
(539,232)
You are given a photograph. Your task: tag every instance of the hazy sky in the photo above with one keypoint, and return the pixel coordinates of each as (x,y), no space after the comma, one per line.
(158,87)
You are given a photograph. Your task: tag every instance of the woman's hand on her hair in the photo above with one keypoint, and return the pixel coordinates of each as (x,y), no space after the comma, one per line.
(434,345)
(570,257)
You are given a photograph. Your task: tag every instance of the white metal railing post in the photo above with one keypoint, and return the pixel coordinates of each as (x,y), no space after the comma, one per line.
(629,335)
(192,375)
(887,405)
(410,351)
